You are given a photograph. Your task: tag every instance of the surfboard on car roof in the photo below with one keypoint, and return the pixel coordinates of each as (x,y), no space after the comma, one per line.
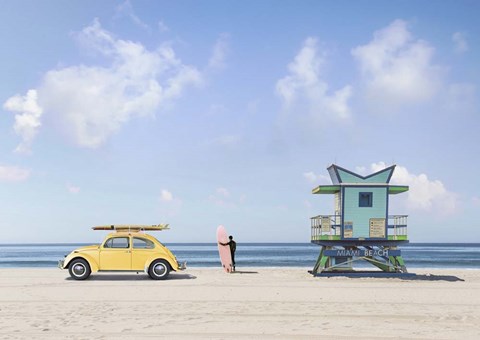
(132,227)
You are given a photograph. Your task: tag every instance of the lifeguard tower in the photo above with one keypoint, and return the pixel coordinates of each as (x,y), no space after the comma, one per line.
(361,228)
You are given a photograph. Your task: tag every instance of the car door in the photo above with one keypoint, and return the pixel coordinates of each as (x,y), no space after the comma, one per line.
(115,254)
(142,249)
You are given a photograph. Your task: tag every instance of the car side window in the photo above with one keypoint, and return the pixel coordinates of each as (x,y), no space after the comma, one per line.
(117,242)
(141,243)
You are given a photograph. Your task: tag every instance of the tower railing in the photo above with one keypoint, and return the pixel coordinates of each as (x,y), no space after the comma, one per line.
(397,226)
(329,227)
(326,226)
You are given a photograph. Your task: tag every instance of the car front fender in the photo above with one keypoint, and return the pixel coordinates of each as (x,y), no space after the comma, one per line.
(91,261)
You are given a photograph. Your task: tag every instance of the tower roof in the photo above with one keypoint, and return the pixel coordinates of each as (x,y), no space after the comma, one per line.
(340,175)
(343,177)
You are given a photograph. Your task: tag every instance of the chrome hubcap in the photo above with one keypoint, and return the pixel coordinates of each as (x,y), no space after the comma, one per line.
(159,269)
(79,269)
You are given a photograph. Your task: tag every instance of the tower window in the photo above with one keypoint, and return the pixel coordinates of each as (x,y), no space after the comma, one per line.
(365,199)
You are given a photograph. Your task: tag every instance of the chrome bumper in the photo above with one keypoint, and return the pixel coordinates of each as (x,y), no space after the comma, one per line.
(182,266)
(60,263)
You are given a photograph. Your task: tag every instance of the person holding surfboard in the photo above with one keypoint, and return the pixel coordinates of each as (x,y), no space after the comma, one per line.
(233,247)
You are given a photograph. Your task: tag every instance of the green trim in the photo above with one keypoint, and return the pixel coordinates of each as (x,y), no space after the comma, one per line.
(397,189)
(321,261)
(326,189)
(400,261)
(332,189)
(327,238)
(383,267)
(397,238)
(338,238)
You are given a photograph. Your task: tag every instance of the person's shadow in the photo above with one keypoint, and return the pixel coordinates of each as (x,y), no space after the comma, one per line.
(243,272)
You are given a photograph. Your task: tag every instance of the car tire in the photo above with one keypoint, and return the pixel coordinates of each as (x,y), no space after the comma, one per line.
(79,269)
(159,270)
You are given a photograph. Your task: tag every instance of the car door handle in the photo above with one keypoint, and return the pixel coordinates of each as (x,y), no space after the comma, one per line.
(127,251)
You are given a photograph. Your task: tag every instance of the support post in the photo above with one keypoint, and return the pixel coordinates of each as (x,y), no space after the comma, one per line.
(321,262)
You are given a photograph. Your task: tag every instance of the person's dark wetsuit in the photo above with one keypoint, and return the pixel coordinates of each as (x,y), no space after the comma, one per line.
(233,247)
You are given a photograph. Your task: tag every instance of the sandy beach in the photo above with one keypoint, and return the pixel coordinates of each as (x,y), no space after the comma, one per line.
(257,303)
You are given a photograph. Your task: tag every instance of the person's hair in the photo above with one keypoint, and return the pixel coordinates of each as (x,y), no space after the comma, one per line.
(230,237)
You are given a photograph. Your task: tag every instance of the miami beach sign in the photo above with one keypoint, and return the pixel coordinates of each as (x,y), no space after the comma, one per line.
(361,252)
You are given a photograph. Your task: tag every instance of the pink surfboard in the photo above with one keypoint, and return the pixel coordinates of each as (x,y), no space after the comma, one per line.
(224,251)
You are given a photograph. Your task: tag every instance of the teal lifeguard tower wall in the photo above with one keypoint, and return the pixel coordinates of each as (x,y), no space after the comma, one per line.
(361,227)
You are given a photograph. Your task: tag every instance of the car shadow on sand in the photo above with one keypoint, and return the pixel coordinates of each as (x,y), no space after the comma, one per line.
(134,277)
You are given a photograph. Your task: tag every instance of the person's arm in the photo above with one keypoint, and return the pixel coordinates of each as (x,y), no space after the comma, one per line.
(224,244)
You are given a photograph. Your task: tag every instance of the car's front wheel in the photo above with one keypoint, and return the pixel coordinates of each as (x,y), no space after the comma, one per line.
(159,270)
(79,269)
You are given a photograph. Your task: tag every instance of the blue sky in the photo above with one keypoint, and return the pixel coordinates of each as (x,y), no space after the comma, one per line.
(205,113)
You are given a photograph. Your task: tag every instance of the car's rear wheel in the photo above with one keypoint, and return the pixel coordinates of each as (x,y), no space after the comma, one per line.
(159,270)
(79,269)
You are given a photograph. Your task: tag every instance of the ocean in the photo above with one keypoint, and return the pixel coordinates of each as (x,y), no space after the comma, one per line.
(416,255)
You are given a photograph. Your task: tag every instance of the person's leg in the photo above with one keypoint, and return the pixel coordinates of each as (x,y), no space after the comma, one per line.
(233,260)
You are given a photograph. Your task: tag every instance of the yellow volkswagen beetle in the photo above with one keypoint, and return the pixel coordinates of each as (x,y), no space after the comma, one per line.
(126,249)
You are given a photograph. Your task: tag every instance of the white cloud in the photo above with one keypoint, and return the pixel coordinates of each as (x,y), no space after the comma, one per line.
(162,27)
(460,42)
(13,174)
(375,167)
(223,198)
(314,178)
(304,81)
(166,196)
(361,170)
(220,51)
(424,194)
(73,189)
(310,176)
(476,201)
(169,205)
(125,9)
(397,68)
(90,103)
(223,192)
(27,121)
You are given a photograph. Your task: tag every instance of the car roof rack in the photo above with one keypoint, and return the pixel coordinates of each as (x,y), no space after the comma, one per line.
(132,227)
